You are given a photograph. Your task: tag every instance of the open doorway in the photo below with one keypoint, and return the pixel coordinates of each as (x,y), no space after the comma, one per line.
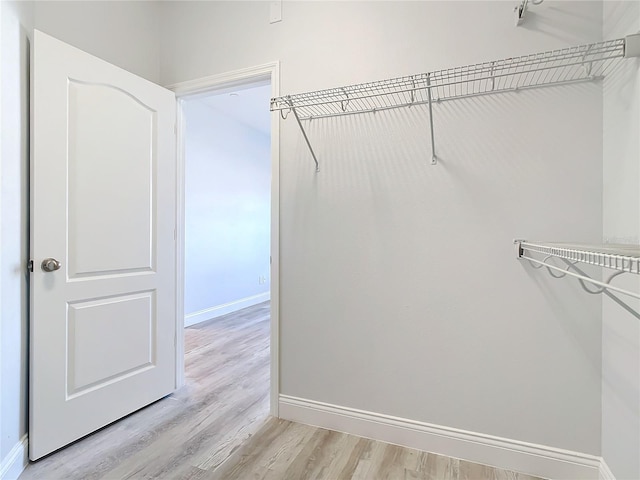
(227,247)
(226,84)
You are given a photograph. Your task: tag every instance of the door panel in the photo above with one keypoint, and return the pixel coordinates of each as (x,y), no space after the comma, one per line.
(103,187)
(94,328)
(105,158)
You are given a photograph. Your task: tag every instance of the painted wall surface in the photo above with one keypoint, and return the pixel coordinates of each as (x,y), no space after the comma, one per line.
(122,33)
(227,206)
(400,291)
(17,24)
(621,224)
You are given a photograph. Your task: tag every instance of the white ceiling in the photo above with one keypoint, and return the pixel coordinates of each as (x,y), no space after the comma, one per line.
(247,105)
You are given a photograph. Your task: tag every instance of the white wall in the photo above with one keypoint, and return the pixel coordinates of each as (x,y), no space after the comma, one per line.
(400,293)
(124,33)
(17,22)
(621,224)
(227,209)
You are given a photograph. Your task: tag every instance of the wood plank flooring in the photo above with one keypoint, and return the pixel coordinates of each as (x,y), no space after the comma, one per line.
(217,427)
(284,450)
(225,400)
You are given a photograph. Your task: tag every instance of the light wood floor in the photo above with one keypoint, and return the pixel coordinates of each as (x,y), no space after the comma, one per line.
(291,451)
(224,401)
(217,427)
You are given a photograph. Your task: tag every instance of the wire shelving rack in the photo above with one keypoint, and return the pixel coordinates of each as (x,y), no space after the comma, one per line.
(558,67)
(619,258)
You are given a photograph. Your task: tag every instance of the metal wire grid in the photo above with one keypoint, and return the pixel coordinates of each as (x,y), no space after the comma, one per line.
(364,97)
(574,64)
(625,258)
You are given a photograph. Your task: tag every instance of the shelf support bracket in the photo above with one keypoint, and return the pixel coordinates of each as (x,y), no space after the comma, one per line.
(519,12)
(304,134)
(434,158)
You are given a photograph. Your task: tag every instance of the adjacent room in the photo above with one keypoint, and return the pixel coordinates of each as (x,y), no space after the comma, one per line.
(227,149)
(320,239)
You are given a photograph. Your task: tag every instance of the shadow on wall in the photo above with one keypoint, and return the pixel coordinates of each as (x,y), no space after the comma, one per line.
(497,139)
(25,228)
(575,24)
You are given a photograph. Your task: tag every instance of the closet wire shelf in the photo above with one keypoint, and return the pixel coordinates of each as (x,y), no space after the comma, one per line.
(620,258)
(581,63)
(558,67)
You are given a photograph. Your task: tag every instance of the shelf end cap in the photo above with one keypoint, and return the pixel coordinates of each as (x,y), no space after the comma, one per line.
(518,245)
(632,45)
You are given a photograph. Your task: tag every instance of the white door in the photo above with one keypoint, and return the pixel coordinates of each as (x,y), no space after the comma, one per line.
(103,200)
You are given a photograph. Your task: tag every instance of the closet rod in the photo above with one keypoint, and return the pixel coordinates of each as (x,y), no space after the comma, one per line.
(558,67)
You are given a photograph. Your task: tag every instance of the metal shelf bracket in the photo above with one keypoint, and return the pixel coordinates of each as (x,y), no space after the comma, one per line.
(434,159)
(304,134)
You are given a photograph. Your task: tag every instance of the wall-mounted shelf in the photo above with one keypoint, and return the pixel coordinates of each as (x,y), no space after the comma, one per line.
(557,67)
(619,258)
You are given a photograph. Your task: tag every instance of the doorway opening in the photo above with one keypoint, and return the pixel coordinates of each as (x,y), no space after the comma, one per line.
(227,221)
(228,238)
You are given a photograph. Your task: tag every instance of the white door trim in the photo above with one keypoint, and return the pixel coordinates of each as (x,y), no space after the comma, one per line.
(271,72)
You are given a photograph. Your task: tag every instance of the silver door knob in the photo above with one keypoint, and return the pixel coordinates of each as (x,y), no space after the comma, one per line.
(50,265)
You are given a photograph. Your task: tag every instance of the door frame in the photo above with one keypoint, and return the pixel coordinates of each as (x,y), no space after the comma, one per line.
(184,90)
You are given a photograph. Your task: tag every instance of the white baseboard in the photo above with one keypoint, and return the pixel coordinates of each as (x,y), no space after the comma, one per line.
(507,454)
(605,472)
(16,460)
(219,310)
(537,460)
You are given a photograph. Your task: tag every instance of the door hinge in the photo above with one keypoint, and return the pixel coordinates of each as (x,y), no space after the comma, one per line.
(30,266)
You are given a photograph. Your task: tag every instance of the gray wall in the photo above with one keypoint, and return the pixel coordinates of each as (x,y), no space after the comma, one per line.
(227,209)
(400,293)
(621,224)
(123,33)
(399,290)
(17,23)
